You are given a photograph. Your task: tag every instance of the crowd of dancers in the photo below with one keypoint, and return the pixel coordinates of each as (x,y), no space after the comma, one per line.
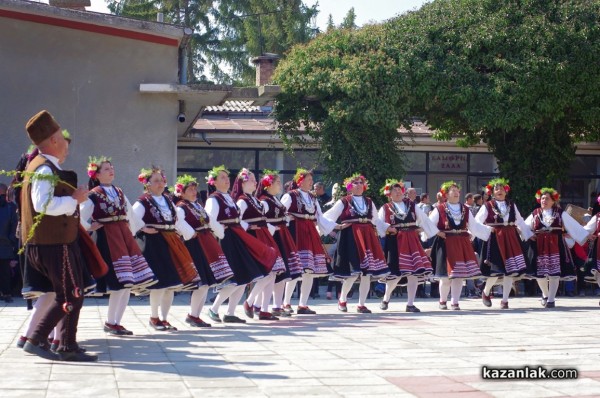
(255,237)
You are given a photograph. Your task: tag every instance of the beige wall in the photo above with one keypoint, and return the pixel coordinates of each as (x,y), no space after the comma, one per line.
(90,83)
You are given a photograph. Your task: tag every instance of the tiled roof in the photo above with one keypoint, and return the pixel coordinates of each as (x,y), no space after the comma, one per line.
(236,107)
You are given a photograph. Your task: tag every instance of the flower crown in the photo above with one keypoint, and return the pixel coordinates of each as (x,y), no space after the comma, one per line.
(268,178)
(244,174)
(389,184)
(182,183)
(94,164)
(301,175)
(489,188)
(67,135)
(145,175)
(446,187)
(547,190)
(214,172)
(356,176)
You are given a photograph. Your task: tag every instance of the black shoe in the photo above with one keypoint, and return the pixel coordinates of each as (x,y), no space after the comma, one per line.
(412,308)
(233,319)
(361,309)
(157,324)
(305,311)
(384,305)
(280,312)
(248,310)
(114,329)
(267,316)
(213,316)
(550,304)
(42,351)
(76,356)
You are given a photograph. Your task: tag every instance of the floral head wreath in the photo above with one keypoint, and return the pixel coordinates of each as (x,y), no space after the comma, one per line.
(268,178)
(356,176)
(214,172)
(446,187)
(182,183)
(301,175)
(389,184)
(547,190)
(244,174)
(503,182)
(146,174)
(67,135)
(94,164)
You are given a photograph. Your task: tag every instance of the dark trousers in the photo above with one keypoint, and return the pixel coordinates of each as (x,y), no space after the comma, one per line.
(5,289)
(51,261)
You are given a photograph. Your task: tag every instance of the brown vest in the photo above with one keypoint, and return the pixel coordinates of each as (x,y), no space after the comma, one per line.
(52,230)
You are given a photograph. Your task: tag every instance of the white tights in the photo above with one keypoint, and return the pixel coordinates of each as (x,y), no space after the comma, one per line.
(117,303)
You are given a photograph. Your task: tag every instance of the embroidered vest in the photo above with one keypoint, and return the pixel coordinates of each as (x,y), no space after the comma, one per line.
(152,215)
(298,206)
(537,219)
(350,212)
(104,207)
(253,212)
(493,213)
(391,217)
(446,222)
(276,209)
(195,217)
(226,212)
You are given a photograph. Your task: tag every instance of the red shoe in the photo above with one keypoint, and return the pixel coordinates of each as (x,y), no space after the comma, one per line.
(267,316)
(168,326)
(248,310)
(156,324)
(342,306)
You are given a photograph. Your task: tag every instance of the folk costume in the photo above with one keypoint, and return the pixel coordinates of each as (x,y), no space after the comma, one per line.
(452,257)
(359,252)
(550,259)
(306,217)
(592,264)
(502,257)
(164,251)
(52,245)
(406,258)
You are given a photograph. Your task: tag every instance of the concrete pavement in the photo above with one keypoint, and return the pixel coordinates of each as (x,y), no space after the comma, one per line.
(388,353)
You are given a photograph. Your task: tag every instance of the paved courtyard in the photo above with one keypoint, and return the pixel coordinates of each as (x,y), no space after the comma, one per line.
(392,354)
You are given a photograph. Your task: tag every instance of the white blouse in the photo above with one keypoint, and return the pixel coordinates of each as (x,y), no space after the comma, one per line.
(324,225)
(429,229)
(336,211)
(524,231)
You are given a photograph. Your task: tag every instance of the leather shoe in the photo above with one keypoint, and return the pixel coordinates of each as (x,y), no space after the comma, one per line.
(196,322)
(443,305)
(412,308)
(544,301)
(21,342)
(305,311)
(114,329)
(550,304)
(157,324)
(76,356)
(487,300)
(455,307)
(384,305)
(288,308)
(248,310)
(267,316)
(233,319)
(504,305)
(363,310)
(342,306)
(168,326)
(280,312)
(213,316)
(42,351)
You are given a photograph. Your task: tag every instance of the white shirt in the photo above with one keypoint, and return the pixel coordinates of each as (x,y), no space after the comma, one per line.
(429,229)
(474,227)
(42,192)
(139,211)
(336,211)
(87,209)
(576,230)
(212,208)
(324,225)
(524,231)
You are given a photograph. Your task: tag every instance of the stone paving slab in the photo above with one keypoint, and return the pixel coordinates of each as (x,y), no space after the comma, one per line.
(388,353)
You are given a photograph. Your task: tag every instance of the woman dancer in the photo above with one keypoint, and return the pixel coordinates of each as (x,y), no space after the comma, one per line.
(249,259)
(306,215)
(209,259)
(254,220)
(156,218)
(107,212)
(403,250)
(276,214)
(502,255)
(451,253)
(549,255)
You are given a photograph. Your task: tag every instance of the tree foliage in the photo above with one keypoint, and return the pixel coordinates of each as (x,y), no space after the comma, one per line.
(519,75)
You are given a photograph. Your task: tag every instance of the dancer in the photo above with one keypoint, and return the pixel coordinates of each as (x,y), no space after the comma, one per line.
(359,252)
(209,259)
(549,255)
(156,219)
(306,215)
(276,214)
(254,221)
(502,255)
(250,260)
(403,250)
(451,253)
(108,211)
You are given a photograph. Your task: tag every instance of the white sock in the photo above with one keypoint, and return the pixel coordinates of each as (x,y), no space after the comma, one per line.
(278,292)
(39,309)
(289,291)
(305,288)
(413,283)
(543,284)
(346,286)
(389,289)
(197,300)
(166,303)
(489,284)
(267,293)
(258,288)
(363,289)
(234,299)
(507,284)
(553,288)
(222,296)
(444,289)
(456,289)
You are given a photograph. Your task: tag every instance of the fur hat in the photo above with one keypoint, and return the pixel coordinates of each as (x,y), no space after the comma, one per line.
(41,126)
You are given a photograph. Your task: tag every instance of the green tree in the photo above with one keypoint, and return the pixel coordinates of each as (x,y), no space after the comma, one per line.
(349,21)
(330,24)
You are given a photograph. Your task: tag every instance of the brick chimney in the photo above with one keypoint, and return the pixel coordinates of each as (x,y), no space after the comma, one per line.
(265,66)
(72,4)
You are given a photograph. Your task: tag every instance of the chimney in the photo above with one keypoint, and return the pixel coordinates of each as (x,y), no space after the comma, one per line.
(72,4)
(265,66)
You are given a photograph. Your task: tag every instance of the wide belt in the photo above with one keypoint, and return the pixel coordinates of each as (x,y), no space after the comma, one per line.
(547,230)
(202,228)
(304,216)
(404,225)
(112,219)
(230,221)
(512,224)
(255,220)
(456,232)
(164,227)
(361,220)
(275,220)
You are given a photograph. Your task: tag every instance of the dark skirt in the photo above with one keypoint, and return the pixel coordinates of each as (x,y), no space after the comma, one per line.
(245,268)
(413,257)
(348,262)
(34,282)
(287,248)
(491,263)
(566,268)
(109,282)
(465,263)
(157,254)
(206,275)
